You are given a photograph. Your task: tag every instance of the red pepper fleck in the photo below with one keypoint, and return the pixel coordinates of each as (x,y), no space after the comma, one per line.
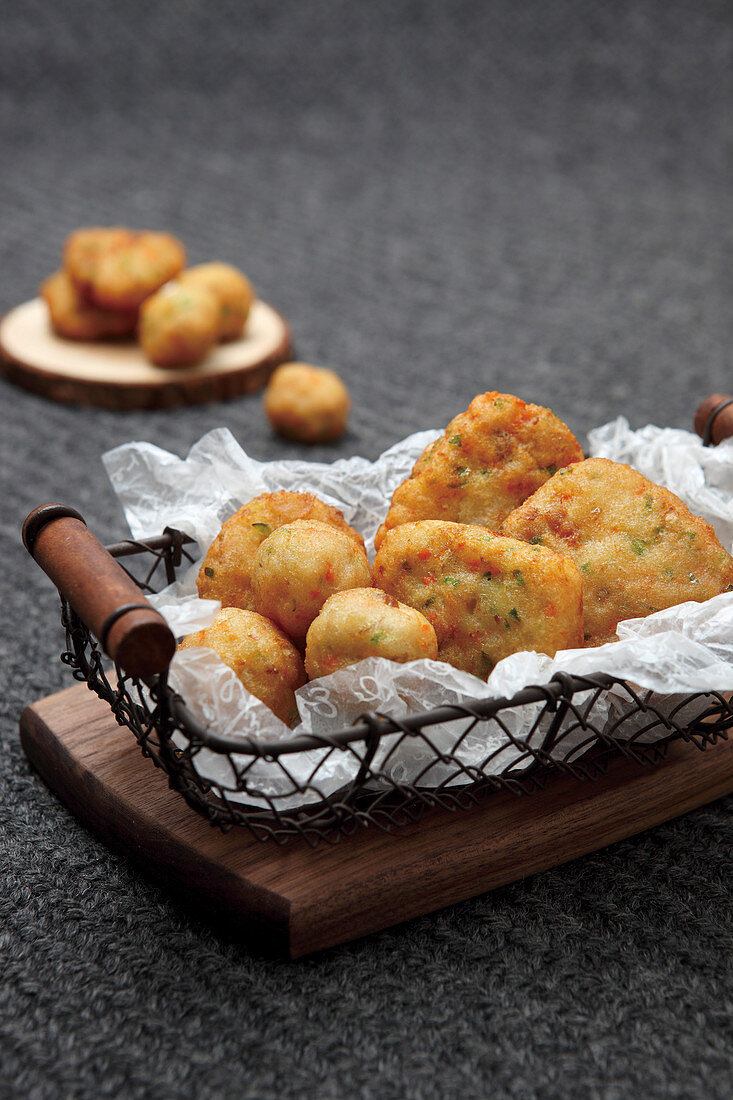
(423,554)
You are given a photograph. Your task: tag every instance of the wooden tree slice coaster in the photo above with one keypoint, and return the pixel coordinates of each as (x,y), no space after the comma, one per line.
(300,899)
(114,374)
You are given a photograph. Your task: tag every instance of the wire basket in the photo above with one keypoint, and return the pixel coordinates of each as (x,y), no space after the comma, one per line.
(573,725)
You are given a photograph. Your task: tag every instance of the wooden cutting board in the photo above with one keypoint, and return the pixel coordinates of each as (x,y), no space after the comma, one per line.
(114,374)
(297,899)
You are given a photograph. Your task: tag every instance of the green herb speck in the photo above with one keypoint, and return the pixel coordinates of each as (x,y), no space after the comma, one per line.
(452,581)
(518,577)
(638,545)
(263,528)
(514,614)
(455,440)
(537,540)
(375,637)
(208,571)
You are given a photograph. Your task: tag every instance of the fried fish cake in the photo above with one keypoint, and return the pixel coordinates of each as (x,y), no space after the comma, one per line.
(119,268)
(260,655)
(179,325)
(366,622)
(72,316)
(638,547)
(306,403)
(232,290)
(84,249)
(486,595)
(490,459)
(299,566)
(226,571)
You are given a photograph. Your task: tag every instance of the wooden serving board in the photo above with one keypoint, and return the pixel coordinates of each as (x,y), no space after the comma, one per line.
(299,899)
(114,374)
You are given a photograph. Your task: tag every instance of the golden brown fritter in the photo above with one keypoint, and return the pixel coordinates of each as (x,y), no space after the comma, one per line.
(119,268)
(84,249)
(486,595)
(72,316)
(226,571)
(308,404)
(232,290)
(299,566)
(490,459)
(260,655)
(366,622)
(638,547)
(179,325)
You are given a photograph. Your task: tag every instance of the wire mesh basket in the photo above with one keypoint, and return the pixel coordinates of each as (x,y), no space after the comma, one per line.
(573,725)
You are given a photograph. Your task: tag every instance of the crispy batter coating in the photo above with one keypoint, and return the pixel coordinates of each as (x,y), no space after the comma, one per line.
(486,595)
(72,316)
(366,622)
(226,571)
(299,566)
(231,288)
(179,325)
(119,268)
(490,459)
(638,547)
(266,662)
(84,249)
(308,404)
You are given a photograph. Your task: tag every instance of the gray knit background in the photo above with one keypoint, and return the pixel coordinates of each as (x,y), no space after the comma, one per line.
(443,198)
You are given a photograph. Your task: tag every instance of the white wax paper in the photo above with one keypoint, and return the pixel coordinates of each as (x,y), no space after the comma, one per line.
(668,655)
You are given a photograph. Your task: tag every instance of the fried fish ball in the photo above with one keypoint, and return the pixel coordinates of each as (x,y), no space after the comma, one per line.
(124,275)
(260,655)
(366,622)
(72,316)
(308,404)
(226,571)
(299,566)
(490,459)
(486,595)
(179,325)
(231,288)
(638,547)
(84,249)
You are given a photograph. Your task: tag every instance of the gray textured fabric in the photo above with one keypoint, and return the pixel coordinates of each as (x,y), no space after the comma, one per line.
(443,198)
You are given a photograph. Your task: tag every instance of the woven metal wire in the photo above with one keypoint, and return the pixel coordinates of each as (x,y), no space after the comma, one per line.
(573,725)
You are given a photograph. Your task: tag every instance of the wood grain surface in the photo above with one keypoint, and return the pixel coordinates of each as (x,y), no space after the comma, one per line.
(299,900)
(114,374)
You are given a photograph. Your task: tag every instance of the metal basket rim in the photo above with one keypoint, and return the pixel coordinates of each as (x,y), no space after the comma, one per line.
(371,727)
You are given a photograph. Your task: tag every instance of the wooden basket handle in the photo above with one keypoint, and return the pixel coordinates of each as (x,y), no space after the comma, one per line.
(714,418)
(129,630)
